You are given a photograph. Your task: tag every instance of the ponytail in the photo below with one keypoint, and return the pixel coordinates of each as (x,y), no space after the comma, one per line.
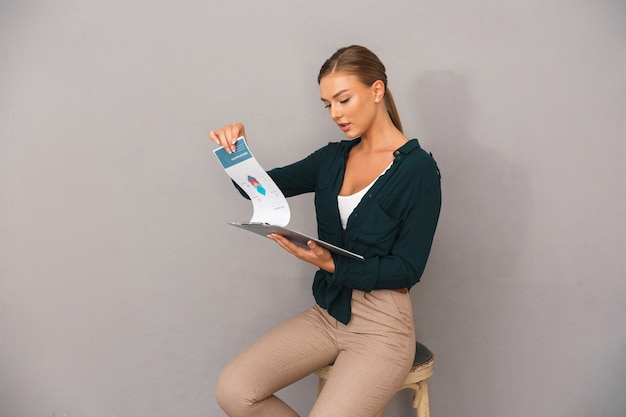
(390,105)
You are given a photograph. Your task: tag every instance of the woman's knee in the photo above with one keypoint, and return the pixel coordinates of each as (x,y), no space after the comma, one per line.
(228,391)
(234,393)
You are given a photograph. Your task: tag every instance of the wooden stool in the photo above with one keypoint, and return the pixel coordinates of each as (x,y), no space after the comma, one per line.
(417,379)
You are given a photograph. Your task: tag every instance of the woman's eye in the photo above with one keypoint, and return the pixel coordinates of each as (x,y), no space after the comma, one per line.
(344,101)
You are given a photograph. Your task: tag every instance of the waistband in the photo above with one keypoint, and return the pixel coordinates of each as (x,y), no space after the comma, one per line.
(402,290)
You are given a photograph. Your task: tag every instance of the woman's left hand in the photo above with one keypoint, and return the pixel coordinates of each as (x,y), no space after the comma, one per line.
(315,255)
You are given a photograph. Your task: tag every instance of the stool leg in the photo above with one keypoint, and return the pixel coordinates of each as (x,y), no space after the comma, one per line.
(421,403)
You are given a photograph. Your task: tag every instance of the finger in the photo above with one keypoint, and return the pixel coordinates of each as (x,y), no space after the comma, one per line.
(318,251)
(218,136)
(287,245)
(228,136)
(214,137)
(236,131)
(280,239)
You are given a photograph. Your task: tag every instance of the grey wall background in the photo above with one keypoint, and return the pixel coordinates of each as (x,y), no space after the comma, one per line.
(122,290)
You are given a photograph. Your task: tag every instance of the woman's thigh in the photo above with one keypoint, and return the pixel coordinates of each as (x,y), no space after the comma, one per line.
(279,358)
(377,350)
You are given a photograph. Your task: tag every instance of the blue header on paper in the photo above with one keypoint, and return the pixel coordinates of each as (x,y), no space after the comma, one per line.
(229,159)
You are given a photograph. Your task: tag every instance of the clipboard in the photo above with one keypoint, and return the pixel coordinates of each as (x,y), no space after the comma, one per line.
(300,239)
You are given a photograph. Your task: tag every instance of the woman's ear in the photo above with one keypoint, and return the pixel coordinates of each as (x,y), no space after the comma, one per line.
(378,89)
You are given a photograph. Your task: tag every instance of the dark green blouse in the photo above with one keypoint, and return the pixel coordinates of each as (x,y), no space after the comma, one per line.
(392,227)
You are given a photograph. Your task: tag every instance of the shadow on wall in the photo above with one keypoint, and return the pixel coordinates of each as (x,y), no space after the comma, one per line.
(468,294)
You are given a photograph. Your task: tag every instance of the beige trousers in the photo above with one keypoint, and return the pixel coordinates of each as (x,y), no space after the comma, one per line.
(372,355)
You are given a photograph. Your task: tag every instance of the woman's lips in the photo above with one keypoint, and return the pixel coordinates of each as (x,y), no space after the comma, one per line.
(344,126)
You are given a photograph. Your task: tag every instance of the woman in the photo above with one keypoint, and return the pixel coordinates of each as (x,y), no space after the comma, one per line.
(378,195)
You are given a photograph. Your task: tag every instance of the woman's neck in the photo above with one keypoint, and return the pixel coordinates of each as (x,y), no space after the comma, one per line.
(382,137)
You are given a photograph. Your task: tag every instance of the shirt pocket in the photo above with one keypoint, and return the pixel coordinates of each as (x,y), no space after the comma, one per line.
(377,231)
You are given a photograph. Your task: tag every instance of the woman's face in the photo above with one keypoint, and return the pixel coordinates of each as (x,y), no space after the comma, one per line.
(350,103)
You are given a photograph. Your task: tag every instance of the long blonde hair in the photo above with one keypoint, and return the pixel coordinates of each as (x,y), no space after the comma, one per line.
(363,63)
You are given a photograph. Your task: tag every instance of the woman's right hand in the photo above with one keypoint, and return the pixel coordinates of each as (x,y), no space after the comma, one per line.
(227,135)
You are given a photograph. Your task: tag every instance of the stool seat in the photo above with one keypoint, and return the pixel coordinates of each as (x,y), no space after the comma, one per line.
(417,379)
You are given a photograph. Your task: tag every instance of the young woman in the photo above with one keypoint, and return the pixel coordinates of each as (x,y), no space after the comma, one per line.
(378,194)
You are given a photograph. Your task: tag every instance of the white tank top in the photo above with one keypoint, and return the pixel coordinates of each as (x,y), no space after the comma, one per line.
(347,203)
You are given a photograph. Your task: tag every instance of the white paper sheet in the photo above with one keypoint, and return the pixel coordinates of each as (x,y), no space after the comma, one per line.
(269,203)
